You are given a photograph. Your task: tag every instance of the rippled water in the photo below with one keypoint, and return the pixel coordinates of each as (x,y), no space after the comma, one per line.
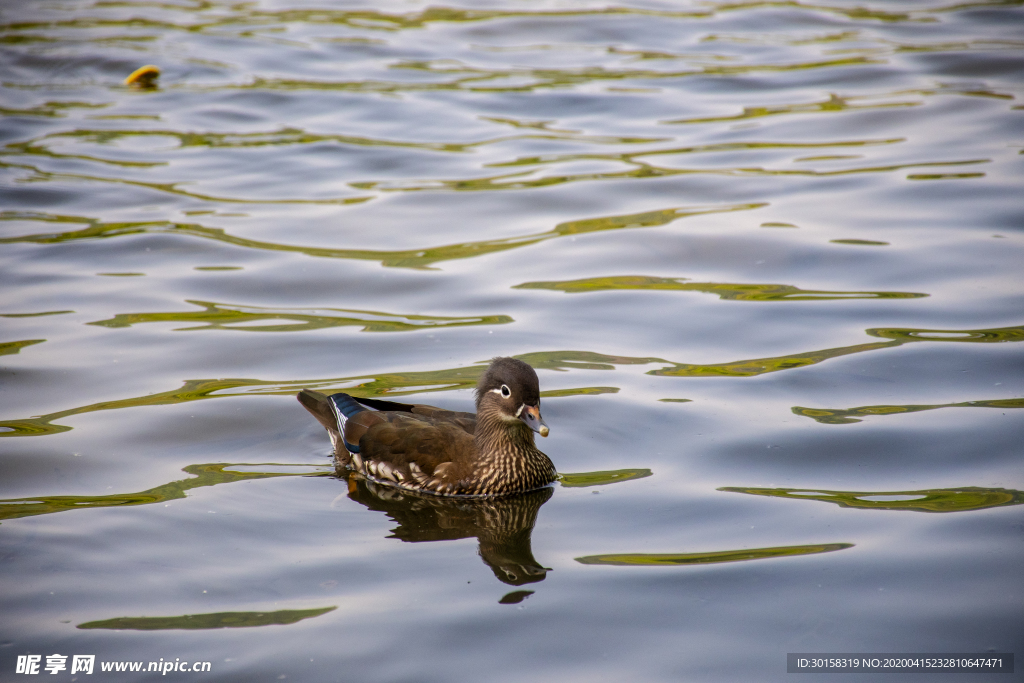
(766,257)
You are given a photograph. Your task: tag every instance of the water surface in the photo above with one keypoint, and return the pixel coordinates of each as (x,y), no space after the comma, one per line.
(766,258)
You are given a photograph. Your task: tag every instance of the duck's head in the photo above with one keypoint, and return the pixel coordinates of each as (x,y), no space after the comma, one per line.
(511,389)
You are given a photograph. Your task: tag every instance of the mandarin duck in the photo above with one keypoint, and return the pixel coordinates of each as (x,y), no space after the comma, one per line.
(432,450)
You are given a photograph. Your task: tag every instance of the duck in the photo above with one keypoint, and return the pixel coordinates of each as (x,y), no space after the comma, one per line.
(443,452)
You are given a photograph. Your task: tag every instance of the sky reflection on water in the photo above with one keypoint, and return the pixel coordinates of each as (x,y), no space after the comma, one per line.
(769,249)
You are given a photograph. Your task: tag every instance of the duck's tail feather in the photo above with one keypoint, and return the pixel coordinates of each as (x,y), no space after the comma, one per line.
(332,412)
(319,405)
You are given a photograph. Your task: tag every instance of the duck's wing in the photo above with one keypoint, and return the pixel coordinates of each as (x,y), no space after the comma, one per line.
(466,421)
(416,451)
(420,447)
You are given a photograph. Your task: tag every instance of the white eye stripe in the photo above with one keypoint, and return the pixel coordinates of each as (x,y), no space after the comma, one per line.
(504,392)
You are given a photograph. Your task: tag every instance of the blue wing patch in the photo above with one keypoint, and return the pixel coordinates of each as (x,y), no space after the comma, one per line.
(345,407)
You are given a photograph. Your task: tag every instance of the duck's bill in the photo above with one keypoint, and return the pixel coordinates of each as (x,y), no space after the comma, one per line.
(531,416)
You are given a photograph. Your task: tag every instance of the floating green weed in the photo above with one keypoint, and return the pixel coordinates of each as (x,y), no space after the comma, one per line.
(727,291)
(410,258)
(860,243)
(994,335)
(194,622)
(410,382)
(581,391)
(213,474)
(10,348)
(674,559)
(209,474)
(928,500)
(235,317)
(834,416)
(584,479)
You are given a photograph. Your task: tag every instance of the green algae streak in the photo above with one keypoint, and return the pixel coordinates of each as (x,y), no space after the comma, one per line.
(927,500)
(836,416)
(584,479)
(213,474)
(761,366)
(895,336)
(33,315)
(990,336)
(582,391)
(216,316)
(195,622)
(449,379)
(422,258)
(672,559)
(209,474)
(726,291)
(10,348)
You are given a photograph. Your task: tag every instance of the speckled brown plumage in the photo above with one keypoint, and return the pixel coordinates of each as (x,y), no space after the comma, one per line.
(432,450)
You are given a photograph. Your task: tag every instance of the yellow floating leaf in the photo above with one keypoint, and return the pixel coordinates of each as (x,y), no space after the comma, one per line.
(144,77)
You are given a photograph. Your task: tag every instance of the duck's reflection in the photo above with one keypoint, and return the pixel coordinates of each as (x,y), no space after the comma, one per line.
(501,525)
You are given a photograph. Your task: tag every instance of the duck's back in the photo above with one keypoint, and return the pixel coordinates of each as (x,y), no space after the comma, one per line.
(394,412)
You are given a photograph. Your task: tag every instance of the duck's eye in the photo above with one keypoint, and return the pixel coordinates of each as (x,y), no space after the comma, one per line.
(505,392)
